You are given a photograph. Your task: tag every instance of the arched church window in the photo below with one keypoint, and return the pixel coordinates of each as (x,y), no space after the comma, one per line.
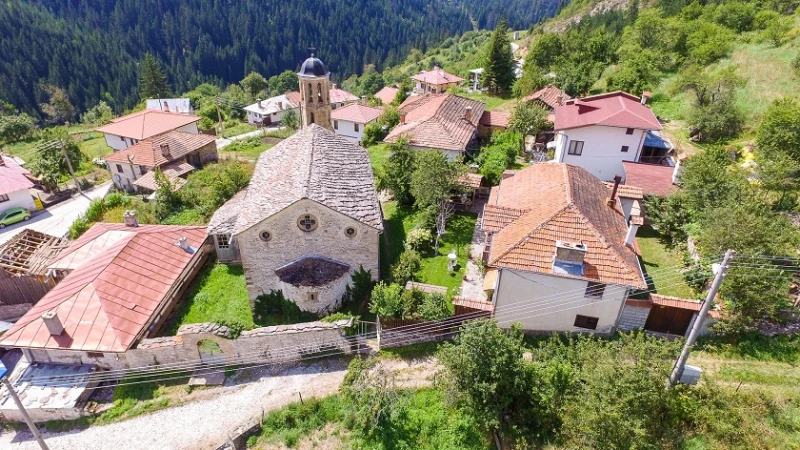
(307,222)
(310,118)
(310,93)
(319,93)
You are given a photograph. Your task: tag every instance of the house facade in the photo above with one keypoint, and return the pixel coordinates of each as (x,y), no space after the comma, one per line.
(127,131)
(175,153)
(350,120)
(598,133)
(271,110)
(307,221)
(562,252)
(435,81)
(15,185)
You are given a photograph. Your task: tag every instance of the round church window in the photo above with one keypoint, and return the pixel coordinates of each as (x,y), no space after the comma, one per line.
(265,236)
(307,222)
(350,231)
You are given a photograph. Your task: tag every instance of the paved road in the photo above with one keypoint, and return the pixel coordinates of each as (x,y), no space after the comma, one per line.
(57,219)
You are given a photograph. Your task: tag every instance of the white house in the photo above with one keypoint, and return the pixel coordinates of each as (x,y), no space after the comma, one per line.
(560,250)
(126,131)
(173,105)
(271,110)
(14,185)
(599,132)
(349,121)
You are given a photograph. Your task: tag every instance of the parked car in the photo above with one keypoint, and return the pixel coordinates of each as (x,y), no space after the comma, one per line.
(14,215)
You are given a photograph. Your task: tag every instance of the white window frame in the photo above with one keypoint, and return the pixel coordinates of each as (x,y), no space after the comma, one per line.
(223,241)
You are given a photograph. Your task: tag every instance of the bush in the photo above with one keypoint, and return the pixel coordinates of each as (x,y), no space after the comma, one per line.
(274,303)
(719,120)
(115,199)
(78,227)
(235,327)
(418,239)
(406,267)
(387,300)
(373,133)
(493,162)
(95,211)
(357,293)
(435,306)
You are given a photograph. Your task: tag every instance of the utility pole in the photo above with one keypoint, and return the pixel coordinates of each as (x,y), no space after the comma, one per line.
(219,119)
(25,415)
(69,164)
(677,371)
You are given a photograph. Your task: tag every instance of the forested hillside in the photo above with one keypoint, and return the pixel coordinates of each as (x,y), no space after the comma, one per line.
(92,49)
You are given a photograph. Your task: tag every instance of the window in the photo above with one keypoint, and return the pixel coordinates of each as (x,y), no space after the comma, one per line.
(142,170)
(312,296)
(594,290)
(119,168)
(625,149)
(3,198)
(586,322)
(311,118)
(355,127)
(319,92)
(350,231)
(309,94)
(307,222)
(265,236)
(629,131)
(223,241)
(335,124)
(575,148)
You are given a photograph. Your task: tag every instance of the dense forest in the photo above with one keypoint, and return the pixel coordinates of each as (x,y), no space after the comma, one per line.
(92,49)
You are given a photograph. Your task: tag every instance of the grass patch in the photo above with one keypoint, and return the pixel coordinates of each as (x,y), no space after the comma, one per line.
(412,351)
(246,148)
(399,221)
(238,128)
(282,133)
(656,259)
(378,155)
(753,346)
(218,294)
(133,400)
(291,423)
(186,216)
(493,103)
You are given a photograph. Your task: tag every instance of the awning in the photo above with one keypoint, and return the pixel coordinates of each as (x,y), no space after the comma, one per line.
(490,280)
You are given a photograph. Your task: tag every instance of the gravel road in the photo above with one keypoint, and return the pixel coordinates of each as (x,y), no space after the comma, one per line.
(201,424)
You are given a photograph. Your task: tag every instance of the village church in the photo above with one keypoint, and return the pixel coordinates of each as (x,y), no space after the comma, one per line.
(310,216)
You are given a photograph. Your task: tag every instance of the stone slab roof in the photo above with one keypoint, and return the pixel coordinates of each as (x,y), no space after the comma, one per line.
(560,202)
(314,164)
(148,152)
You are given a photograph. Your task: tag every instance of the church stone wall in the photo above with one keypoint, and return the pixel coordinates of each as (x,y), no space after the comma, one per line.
(288,244)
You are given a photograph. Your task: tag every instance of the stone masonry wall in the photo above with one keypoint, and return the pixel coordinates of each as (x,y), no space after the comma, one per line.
(14,311)
(288,243)
(633,317)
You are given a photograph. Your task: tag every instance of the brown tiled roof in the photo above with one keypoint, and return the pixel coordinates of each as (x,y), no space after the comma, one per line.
(480,305)
(675,302)
(173,171)
(548,95)
(148,152)
(561,202)
(355,112)
(495,119)
(471,180)
(110,298)
(438,121)
(147,123)
(387,94)
(651,178)
(315,164)
(626,191)
(294,97)
(495,218)
(436,76)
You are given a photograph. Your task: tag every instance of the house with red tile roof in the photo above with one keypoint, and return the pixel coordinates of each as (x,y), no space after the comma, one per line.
(443,122)
(349,121)
(15,185)
(121,283)
(126,131)
(435,81)
(387,94)
(548,97)
(599,132)
(561,250)
(176,154)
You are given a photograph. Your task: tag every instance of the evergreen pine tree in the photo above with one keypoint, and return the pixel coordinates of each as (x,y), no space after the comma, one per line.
(498,72)
(153,81)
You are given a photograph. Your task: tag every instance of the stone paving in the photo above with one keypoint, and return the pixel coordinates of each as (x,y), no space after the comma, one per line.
(472,286)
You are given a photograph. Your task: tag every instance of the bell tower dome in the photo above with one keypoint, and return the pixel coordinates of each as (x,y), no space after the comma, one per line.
(315,95)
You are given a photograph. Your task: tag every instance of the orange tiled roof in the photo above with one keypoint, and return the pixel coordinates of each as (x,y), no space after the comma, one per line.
(549,95)
(147,123)
(495,119)
(436,76)
(148,152)
(387,94)
(438,121)
(356,113)
(480,305)
(651,178)
(626,191)
(559,202)
(114,290)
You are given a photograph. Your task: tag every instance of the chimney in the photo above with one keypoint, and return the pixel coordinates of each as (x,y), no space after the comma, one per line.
(258,100)
(53,323)
(676,172)
(166,106)
(165,150)
(570,252)
(612,199)
(645,96)
(280,105)
(364,100)
(183,243)
(130,218)
(403,117)
(2,161)
(333,85)
(560,99)
(633,227)
(468,113)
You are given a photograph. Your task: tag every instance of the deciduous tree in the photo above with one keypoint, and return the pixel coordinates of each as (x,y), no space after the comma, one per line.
(58,108)
(254,83)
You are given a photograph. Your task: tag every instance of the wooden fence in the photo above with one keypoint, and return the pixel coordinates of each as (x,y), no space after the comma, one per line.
(20,290)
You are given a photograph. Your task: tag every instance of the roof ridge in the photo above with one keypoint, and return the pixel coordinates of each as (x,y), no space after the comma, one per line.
(614,253)
(567,184)
(527,235)
(307,190)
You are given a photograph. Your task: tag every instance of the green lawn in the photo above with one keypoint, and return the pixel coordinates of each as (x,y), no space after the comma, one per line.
(493,103)
(250,148)
(399,221)
(218,294)
(655,259)
(238,128)
(378,155)
(91,143)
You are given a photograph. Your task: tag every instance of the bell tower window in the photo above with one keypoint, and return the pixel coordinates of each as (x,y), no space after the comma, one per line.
(310,93)
(319,93)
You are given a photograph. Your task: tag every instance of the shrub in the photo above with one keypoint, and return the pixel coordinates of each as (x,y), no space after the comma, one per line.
(387,300)
(348,331)
(493,162)
(115,199)
(235,327)
(274,303)
(411,300)
(406,267)
(418,239)
(78,227)
(435,306)
(373,133)
(95,211)
(716,121)
(358,292)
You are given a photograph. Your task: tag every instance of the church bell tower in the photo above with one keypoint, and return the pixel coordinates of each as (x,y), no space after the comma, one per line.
(315,93)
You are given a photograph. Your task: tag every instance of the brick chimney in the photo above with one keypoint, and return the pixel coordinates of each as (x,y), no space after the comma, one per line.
(403,116)
(468,113)
(612,199)
(280,105)
(165,150)
(53,323)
